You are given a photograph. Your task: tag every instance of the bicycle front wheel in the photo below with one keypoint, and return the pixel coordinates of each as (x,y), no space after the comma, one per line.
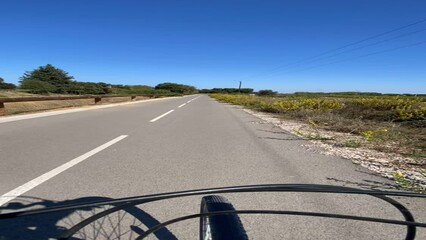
(220,227)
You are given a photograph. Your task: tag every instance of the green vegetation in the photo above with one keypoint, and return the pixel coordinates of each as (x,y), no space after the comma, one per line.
(140,90)
(49,79)
(388,123)
(352,144)
(5,85)
(266,93)
(227,90)
(404,183)
(171,89)
(49,74)
(176,88)
(37,86)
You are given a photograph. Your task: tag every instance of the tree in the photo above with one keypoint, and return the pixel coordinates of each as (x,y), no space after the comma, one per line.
(227,90)
(37,86)
(176,88)
(246,90)
(89,88)
(205,91)
(5,85)
(52,75)
(266,93)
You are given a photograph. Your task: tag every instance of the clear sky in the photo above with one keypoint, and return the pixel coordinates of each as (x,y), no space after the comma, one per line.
(218,43)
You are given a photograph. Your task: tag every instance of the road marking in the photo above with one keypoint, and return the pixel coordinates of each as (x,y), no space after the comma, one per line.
(182,105)
(54,112)
(192,100)
(162,115)
(43,178)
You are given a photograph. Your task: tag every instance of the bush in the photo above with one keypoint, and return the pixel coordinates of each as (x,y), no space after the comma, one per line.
(140,89)
(89,88)
(4,85)
(37,86)
(280,104)
(176,88)
(266,93)
(227,90)
(52,75)
(399,108)
(7,86)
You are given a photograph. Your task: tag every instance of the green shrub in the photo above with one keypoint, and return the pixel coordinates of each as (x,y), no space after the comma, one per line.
(176,88)
(5,85)
(266,93)
(37,86)
(53,76)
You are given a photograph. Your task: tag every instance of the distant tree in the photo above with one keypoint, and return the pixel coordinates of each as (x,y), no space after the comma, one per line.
(246,90)
(205,91)
(89,88)
(5,85)
(227,90)
(37,86)
(120,86)
(52,75)
(217,90)
(266,93)
(177,88)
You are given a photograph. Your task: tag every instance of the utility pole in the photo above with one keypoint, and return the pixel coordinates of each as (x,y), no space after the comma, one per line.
(239,88)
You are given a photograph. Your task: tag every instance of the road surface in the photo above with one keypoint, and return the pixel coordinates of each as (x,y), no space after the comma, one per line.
(177,144)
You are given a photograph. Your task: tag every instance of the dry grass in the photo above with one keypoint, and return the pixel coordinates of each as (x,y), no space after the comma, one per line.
(15,93)
(409,173)
(393,124)
(405,138)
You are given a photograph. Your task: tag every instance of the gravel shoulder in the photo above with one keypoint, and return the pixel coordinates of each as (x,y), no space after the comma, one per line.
(403,170)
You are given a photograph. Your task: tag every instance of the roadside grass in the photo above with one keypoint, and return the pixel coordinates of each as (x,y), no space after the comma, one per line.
(387,124)
(16,93)
(406,184)
(352,144)
(394,124)
(26,107)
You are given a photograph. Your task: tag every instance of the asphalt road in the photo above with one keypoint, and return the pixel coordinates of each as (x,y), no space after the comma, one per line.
(145,148)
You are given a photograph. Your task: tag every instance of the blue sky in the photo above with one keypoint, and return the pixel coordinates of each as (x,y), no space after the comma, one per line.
(218,43)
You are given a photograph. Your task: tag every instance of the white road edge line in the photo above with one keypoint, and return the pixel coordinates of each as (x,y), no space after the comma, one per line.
(54,112)
(162,115)
(182,105)
(52,173)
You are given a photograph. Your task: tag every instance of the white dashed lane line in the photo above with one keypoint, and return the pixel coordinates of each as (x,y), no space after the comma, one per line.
(52,173)
(164,114)
(5,198)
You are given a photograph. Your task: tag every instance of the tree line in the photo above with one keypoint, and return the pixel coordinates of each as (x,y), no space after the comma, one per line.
(49,79)
(5,85)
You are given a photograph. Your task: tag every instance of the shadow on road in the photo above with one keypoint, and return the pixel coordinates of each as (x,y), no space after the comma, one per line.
(124,224)
(276,132)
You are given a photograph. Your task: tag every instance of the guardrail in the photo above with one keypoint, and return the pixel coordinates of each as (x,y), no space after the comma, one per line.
(97,98)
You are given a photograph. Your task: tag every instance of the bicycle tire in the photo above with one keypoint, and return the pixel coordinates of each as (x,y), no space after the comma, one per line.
(220,227)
